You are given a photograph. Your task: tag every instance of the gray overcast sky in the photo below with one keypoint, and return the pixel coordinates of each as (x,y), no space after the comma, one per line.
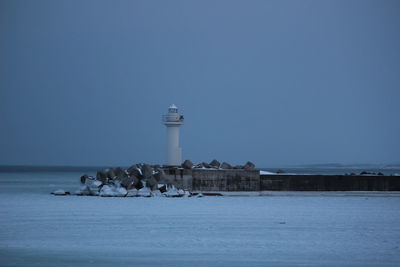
(274,82)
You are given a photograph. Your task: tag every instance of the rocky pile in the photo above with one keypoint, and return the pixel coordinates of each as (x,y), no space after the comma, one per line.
(139,180)
(215,164)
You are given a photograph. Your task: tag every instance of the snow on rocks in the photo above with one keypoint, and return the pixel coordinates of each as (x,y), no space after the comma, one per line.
(112,191)
(172,191)
(215,164)
(187,164)
(132,193)
(106,191)
(139,180)
(60,192)
(225,165)
(266,172)
(144,192)
(93,186)
(83,191)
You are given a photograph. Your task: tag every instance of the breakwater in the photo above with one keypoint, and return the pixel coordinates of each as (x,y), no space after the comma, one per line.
(251,180)
(329,182)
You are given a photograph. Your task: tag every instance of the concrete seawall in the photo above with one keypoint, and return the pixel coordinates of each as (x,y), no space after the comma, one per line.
(226,180)
(213,180)
(329,183)
(250,180)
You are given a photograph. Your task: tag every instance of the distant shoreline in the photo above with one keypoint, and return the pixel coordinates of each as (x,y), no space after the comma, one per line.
(38,168)
(387,169)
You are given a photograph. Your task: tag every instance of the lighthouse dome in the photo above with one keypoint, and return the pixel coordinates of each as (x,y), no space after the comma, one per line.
(173,117)
(173,109)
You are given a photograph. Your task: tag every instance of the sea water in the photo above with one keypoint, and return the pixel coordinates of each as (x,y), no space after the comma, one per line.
(39,229)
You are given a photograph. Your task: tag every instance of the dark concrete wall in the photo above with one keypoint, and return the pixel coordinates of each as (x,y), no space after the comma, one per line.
(251,180)
(329,183)
(180,178)
(225,180)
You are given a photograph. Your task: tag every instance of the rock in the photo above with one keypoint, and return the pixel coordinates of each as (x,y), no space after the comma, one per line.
(206,165)
(120,192)
(139,185)
(120,173)
(238,167)
(144,192)
(113,191)
(162,188)
(215,163)
(225,165)
(94,183)
(187,164)
(133,170)
(249,166)
(83,191)
(132,193)
(83,178)
(60,192)
(280,171)
(102,176)
(110,173)
(93,186)
(147,171)
(172,191)
(107,191)
(151,183)
(156,193)
(116,183)
(129,182)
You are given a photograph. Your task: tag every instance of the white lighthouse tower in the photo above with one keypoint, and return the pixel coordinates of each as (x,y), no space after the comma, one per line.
(173,120)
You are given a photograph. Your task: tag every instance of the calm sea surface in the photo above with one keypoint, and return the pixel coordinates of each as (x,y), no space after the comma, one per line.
(39,229)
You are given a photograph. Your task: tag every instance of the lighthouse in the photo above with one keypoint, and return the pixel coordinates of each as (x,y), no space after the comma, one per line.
(173,120)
